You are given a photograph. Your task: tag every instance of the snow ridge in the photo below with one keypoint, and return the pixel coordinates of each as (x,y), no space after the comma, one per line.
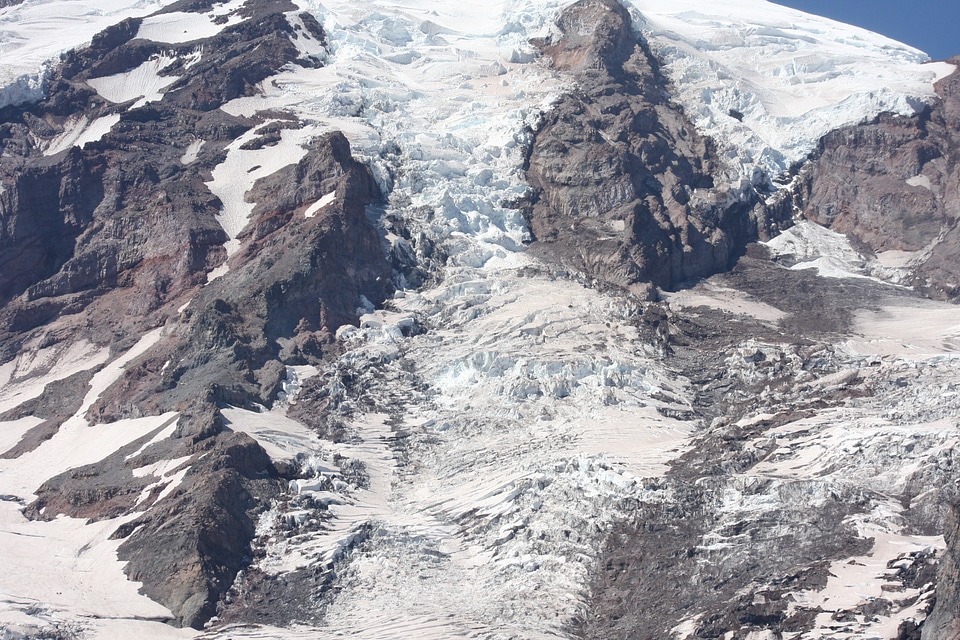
(766,81)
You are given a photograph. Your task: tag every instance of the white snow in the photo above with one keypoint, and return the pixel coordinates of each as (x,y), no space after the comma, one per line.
(66,571)
(544,403)
(445,91)
(793,76)
(34,33)
(313,209)
(833,256)
(859,580)
(79,131)
(12,431)
(542,411)
(193,152)
(235,176)
(35,367)
(920,181)
(143,82)
(178,27)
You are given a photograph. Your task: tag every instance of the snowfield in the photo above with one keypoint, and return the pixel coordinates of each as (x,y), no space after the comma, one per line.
(791,76)
(34,33)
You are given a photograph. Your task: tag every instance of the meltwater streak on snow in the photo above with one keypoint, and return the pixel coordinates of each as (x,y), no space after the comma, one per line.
(792,76)
(34,33)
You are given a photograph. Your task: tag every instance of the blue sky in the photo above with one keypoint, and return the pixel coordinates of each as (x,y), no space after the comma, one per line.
(929,25)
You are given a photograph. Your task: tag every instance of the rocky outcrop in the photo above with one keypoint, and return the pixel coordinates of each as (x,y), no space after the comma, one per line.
(722,547)
(296,281)
(195,531)
(624,185)
(43,209)
(943,623)
(893,184)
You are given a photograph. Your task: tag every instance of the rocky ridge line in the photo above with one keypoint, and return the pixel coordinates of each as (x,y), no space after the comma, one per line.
(623,184)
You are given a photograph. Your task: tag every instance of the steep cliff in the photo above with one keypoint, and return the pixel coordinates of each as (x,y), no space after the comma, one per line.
(624,186)
(893,185)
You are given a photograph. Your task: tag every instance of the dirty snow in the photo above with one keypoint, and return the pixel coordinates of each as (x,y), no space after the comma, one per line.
(192,153)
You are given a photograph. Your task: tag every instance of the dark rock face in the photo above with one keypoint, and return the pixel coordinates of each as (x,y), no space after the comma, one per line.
(944,621)
(893,184)
(189,545)
(624,184)
(43,209)
(294,283)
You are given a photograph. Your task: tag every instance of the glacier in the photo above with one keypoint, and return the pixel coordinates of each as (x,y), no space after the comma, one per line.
(499,446)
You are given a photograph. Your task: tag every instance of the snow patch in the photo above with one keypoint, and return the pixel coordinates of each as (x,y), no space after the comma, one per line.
(178,27)
(218,272)
(66,570)
(920,181)
(33,35)
(26,376)
(79,131)
(235,176)
(76,444)
(809,246)
(922,330)
(192,152)
(144,83)
(320,204)
(709,294)
(308,46)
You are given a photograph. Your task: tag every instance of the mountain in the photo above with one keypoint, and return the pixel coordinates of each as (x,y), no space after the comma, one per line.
(507,320)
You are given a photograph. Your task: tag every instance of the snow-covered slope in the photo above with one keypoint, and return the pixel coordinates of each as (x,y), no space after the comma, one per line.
(34,33)
(503,419)
(767,81)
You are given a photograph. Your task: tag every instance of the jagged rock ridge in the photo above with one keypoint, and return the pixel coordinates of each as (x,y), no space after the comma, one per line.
(623,182)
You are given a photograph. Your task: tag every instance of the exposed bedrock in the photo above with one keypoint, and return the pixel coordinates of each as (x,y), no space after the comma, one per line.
(43,208)
(130,211)
(624,186)
(943,623)
(894,184)
(296,281)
